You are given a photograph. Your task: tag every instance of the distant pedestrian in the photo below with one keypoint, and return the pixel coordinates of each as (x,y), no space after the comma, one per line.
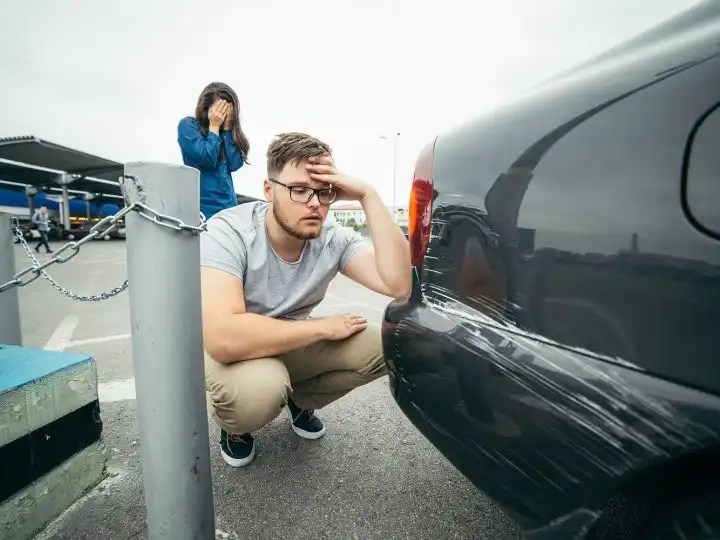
(41,219)
(213,142)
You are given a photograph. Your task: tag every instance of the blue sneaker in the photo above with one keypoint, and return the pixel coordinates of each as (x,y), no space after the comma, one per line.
(304,422)
(237,450)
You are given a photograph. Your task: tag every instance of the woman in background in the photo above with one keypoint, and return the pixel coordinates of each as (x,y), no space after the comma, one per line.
(213,142)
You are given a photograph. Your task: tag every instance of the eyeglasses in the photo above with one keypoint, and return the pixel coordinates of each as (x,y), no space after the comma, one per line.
(304,194)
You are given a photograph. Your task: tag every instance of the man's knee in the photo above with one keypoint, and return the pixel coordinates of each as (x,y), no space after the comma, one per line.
(245,396)
(367,353)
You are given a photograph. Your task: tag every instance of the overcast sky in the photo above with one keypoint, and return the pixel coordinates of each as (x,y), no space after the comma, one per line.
(114,78)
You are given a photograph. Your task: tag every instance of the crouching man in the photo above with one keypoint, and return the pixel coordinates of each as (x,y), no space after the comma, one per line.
(265,266)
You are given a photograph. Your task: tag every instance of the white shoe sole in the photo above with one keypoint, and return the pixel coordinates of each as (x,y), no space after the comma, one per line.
(301,432)
(241,462)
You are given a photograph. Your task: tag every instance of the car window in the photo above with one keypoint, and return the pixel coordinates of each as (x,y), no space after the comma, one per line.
(703,173)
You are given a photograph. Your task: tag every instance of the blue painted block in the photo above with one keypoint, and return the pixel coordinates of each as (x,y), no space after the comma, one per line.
(38,387)
(23,365)
(50,436)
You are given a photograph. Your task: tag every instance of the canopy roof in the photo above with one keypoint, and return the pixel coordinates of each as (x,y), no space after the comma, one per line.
(39,163)
(99,198)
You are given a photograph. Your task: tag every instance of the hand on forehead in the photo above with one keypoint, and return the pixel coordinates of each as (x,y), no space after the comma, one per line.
(322,160)
(298,173)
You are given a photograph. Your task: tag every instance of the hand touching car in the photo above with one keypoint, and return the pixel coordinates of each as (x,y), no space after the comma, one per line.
(338,327)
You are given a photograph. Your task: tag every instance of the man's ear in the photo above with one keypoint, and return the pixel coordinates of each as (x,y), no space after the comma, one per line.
(268,190)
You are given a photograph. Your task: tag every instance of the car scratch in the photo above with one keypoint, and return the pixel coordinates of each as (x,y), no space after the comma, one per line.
(623,423)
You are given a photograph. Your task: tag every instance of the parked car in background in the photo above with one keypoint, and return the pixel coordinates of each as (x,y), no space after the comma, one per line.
(242,199)
(80,228)
(561,345)
(26,231)
(31,234)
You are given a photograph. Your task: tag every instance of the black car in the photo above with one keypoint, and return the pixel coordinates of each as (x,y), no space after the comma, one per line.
(26,233)
(561,345)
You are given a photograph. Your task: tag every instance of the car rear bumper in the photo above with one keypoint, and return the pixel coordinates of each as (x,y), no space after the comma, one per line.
(546,431)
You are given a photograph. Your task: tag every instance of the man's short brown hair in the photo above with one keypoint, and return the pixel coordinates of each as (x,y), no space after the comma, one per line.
(293,148)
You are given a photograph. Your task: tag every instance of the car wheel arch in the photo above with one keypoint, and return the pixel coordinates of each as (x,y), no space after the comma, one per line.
(632,505)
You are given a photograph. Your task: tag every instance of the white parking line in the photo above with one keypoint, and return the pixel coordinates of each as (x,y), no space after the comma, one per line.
(116,390)
(60,338)
(101,339)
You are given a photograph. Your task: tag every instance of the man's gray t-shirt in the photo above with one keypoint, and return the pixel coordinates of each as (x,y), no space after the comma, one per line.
(236,242)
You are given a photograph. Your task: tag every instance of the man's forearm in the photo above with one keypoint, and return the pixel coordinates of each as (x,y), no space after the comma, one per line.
(247,335)
(392,251)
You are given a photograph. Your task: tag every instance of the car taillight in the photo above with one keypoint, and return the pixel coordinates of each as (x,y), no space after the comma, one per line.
(421,200)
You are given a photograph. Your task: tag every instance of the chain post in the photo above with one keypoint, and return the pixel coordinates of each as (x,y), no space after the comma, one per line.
(10,327)
(165,313)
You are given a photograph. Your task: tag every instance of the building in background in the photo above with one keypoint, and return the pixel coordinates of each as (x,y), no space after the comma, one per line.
(348,213)
(401,217)
(351,212)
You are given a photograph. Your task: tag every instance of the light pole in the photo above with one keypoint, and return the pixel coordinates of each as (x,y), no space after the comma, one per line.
(395,144)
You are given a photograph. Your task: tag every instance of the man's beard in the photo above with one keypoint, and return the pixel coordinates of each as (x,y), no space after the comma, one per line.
(285,225)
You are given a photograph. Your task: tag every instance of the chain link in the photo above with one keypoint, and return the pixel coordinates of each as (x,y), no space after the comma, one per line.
(37,269)
(100,229)
(169,221)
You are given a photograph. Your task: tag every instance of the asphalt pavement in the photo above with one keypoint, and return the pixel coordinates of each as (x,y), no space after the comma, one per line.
(372,476)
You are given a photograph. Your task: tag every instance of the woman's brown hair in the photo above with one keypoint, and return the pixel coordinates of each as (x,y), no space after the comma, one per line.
(209,94)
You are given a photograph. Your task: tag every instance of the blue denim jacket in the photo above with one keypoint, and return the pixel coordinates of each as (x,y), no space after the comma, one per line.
(203,153)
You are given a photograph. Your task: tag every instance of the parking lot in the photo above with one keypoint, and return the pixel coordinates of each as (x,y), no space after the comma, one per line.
(372,476)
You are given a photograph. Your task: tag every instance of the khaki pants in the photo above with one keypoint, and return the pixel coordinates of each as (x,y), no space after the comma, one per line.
(245,396)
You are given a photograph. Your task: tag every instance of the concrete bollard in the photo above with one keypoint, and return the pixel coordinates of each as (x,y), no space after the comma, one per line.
(10,329)
(166,326)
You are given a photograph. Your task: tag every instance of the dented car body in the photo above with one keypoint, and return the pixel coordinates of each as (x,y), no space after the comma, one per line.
(562,339)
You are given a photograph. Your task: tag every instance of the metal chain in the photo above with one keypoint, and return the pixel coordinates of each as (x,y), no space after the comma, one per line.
(153,215)
(73,248)
(169,221)
(101,228)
